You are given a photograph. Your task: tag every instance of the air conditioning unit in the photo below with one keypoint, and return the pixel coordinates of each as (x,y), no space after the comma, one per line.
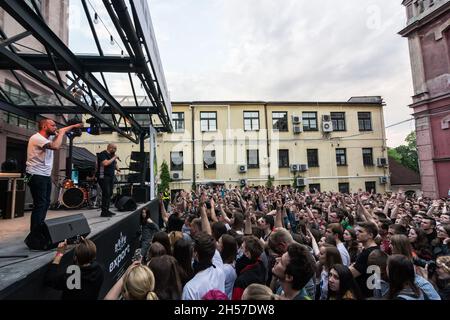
(303,167)
(327,124)
(243,182)
(176,175)
(295,167)
(381,162)
(301,182)
(242,168)
(296,119)
(297,129)
(383,180)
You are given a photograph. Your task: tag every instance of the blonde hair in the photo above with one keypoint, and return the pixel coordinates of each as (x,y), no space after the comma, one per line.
(444,262)
(139,283)
(258,291)
(174,236)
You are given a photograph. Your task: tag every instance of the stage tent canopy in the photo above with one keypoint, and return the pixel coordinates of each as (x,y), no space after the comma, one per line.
(83,159)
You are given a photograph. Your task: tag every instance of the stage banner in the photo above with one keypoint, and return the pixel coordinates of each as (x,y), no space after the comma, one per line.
(115,249)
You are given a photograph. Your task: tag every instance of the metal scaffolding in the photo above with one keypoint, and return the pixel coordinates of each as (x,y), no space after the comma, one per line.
(93,96)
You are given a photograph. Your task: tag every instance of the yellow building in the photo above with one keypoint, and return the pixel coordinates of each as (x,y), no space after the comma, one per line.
(330,146)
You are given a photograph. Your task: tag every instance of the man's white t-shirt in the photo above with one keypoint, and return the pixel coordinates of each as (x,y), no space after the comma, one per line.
(212,278)
(344,254)
(39,160)
(230,277)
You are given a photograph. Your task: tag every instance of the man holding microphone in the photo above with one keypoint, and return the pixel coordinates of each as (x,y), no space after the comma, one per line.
(39,170)
(106,167)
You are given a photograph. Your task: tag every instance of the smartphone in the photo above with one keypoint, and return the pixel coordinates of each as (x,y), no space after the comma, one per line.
(137,255)
(74,240)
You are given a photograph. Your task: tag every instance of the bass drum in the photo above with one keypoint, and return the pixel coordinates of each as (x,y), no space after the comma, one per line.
(73,198)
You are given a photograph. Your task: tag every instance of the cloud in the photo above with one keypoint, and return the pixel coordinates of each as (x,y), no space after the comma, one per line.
(275,50)
(286,50)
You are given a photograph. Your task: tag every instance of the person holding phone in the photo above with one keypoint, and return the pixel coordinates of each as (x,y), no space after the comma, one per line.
(91,273)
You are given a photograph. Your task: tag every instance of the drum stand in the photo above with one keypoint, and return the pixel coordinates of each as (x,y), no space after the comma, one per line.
(58,203)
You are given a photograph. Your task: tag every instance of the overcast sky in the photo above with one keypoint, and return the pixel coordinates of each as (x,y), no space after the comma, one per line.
(296,50)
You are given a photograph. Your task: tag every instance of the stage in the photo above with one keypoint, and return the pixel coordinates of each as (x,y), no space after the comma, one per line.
(22,270)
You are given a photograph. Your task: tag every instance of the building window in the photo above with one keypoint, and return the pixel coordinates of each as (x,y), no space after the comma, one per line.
(279,121)
(344,187)
(367,156)
(365,121)
(313,187)
(251,120)
(17,94)
(341,157)
(283,158)
(209,159)
(178,121)
(208,121)
(371,185)
(309,120)
(338,119)
(252,159)
(313,157)
(176,161)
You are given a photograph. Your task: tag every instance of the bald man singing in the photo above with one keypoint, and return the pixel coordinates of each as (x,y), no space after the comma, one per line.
(106,167)
(40,164)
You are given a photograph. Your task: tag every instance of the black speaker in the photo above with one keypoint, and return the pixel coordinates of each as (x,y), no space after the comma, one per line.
(126,203)
(6,206)
(134,178)
(137,166)
(53,231)
(140,156)
(141,194)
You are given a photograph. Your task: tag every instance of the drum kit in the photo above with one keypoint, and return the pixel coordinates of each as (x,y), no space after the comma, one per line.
(73,197)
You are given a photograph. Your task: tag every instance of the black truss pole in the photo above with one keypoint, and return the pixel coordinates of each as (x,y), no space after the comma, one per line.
(132,88)
(115,64)
(18,111)
(3,35)
(116,23)
(11,40)
(7,98)
(94,33)
(127,25)
(49,53)
(23,14)
(77,109)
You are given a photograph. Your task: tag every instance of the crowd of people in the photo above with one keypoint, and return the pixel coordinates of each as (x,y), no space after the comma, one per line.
(258,243)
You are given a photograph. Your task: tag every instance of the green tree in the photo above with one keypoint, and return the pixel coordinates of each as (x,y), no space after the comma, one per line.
(269,183)
(407,154)
(164,177)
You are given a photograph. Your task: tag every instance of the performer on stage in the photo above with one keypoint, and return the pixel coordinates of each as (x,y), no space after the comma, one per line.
(107,165)
(39,166)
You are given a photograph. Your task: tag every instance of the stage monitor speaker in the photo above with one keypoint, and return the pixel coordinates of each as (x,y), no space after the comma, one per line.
(137,166)
(126,203)
(6,206)
(54,231)
(140,156)
(141,193)
(134,178)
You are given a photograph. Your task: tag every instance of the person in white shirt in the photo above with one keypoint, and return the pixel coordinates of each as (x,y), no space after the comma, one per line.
(208,269)
(39,166)
(337,231)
